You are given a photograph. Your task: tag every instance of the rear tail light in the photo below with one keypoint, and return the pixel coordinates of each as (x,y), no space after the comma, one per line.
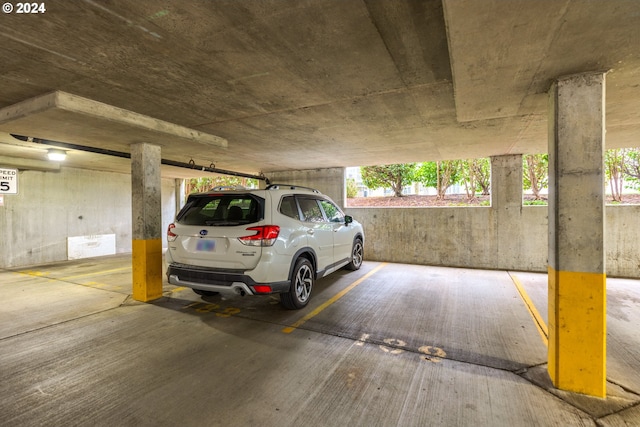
(170,236)
(266,235)
(262,289)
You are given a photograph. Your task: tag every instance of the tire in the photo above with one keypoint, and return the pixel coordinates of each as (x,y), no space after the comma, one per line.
(357,255)
(204,293)
(302,281)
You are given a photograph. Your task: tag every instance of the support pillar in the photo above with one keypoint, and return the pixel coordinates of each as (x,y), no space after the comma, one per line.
(330,181)
(147,221)
(577,280)
(506,206)
(179,193)
(506,182)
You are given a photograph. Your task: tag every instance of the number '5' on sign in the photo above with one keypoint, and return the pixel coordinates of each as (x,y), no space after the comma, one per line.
(8,181)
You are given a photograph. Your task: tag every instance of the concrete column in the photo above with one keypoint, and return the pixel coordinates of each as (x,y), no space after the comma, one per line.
(577,280)
(146,189)
(506,206)
(329,181)
(179,193)
(506,182)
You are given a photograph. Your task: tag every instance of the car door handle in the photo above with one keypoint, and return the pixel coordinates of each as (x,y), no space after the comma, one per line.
(310,231)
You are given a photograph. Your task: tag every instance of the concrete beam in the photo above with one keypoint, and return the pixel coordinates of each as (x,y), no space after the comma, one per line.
(61,116)
(577,280)
(29,164)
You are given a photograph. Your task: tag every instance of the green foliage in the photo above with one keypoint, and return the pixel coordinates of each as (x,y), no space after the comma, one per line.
(439,175)
(200,185)
(614,162)
(632,169)
(427,174)
(622,167)
(352,189)
(535,176)
(535,203)
(394,176)
(482,170)
(475,174)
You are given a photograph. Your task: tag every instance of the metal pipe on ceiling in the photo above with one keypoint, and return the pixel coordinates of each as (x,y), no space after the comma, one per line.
(187,165)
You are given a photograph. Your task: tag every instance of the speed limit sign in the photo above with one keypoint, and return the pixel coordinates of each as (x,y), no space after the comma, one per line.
(8,181)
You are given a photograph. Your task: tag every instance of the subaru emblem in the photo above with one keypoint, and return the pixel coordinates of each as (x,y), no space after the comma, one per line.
(203,232)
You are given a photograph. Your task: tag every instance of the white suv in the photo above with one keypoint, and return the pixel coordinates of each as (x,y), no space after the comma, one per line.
(247,242)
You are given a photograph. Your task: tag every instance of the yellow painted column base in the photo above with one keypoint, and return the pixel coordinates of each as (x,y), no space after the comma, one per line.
(147,269)
(577,332)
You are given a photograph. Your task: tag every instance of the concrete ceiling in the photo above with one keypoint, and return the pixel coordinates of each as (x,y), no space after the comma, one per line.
(314,83)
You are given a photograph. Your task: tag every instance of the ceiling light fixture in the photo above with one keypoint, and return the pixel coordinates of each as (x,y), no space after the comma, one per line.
(56,155)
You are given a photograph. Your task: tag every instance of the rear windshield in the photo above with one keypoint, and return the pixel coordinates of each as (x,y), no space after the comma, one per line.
(222,210)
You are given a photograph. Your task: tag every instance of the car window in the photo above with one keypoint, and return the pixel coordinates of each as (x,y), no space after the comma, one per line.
(310,210)
(222,210)
(332,212)
(289,207)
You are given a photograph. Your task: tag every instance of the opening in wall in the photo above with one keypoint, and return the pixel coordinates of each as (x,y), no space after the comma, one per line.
(425,184)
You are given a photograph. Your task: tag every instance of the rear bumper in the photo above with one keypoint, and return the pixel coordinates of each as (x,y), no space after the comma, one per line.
(215,280)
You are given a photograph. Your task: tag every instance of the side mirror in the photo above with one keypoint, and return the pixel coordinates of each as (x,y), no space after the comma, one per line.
(348,219)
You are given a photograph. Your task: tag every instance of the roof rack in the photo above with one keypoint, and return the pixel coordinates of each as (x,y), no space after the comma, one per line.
(228,188)
(290,187)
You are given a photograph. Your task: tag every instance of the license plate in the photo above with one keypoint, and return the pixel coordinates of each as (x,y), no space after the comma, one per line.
(206,245)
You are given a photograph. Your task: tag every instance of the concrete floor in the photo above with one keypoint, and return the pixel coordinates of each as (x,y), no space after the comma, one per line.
(388,345)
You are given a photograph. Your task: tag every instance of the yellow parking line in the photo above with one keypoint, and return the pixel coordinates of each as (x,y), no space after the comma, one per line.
(32,273)
(331,300)
(96,273)
(537,319)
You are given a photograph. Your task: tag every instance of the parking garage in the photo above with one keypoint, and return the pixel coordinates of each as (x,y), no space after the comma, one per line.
(500,315)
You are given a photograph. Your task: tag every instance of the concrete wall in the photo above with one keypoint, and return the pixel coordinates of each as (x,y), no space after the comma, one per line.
(329,181)
(76,202)
(505,236)
(471,237)
(622,243)
(52,206)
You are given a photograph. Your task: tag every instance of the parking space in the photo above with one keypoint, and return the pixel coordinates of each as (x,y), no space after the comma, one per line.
(36,299)
(389,344)
(623,316)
